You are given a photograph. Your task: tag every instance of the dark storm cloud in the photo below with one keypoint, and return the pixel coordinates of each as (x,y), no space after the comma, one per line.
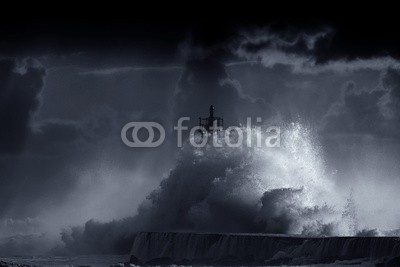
(362,108)
(289,41)
(359,113)
(372,112)
(73,158)
(73,92)
(55,159)
(43,169)
(54,138)
(19,98)
(78,120)
(391,105)
(308,50)
(205,82)
(153,41)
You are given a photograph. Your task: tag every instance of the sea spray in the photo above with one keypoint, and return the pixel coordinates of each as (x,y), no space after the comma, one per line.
(283,190)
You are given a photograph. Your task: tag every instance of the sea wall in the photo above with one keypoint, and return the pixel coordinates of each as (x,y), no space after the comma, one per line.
(249,249)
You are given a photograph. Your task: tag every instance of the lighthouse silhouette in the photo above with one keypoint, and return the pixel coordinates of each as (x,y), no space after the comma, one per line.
(208,123)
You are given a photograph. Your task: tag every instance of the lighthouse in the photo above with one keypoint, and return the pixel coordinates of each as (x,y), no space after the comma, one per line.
(211,121)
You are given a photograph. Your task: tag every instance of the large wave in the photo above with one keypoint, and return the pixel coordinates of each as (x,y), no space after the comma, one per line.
(283,189)
(246,189)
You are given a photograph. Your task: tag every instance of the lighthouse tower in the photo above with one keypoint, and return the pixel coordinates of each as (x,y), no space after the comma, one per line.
(208,123)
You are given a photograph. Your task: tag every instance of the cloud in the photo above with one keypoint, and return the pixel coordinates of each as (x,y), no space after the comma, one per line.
(391,105)
(374,112)
(289,41)
(301,51)
(73,160)
(205,82)
(361,110)
(111,71)
(19,98)
(358,113)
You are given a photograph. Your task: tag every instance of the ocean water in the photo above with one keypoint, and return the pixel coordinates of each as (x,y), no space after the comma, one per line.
(112,260)
(86,260)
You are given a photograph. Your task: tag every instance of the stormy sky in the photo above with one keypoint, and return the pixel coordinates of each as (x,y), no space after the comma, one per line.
(67,87)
